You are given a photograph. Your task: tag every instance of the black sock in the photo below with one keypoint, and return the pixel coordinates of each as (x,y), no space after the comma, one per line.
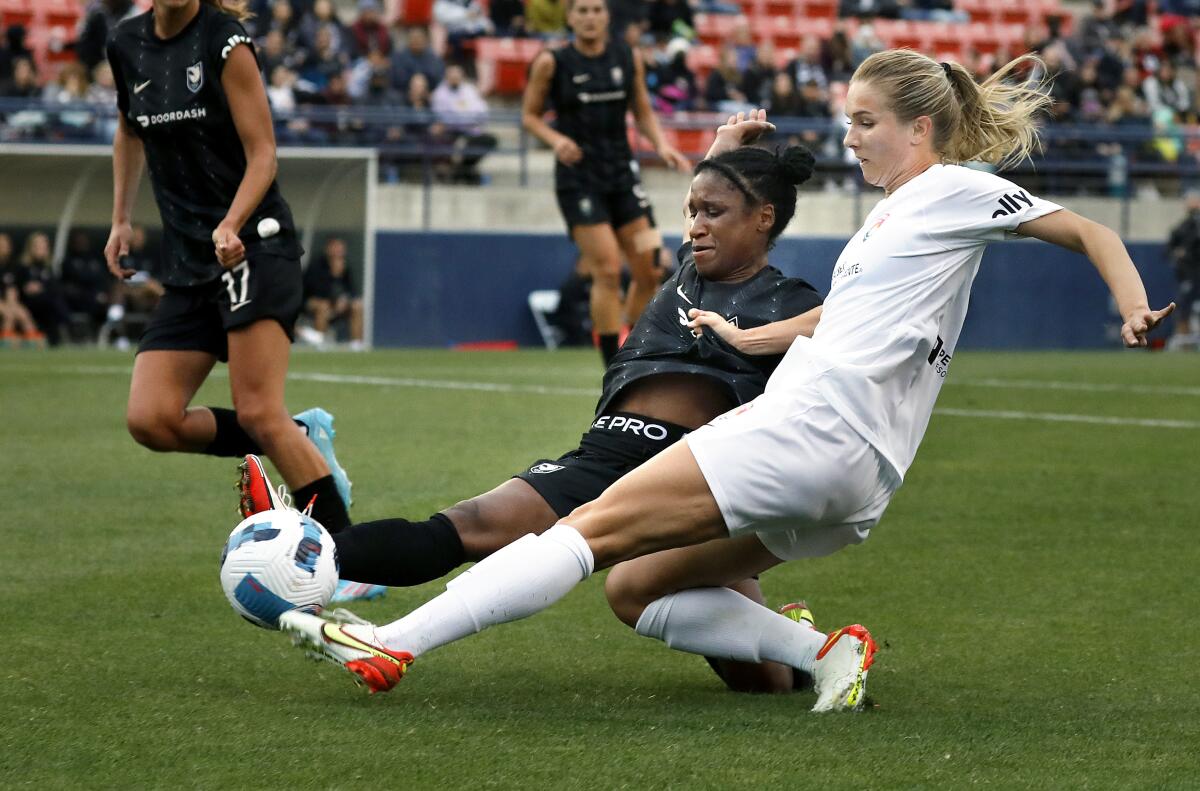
(231,439)
(609,344)
(328,509)
(399,553)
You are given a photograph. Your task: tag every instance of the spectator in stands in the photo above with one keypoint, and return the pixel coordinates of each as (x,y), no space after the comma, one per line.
(813,105)
(461,110)
(1179,45)
(743,43)
(671,83)
(869,9)
(324,16)
(759,76)
(283,20)
(1094,31)
(464,21)
(417,57)
(625,16)
(1064,84)
(99,18)
(723,90)
(837,56)
(671,18)
(363,72)
(324,61)
(1134,13)
(1166,89)
(86,284)
(24,82)
(866,42)
(273,52)
(39,289)
(785,101)
(1183,251)
(807,65)
(508,17)
(330,294)
(369,32)
(16,325)
(546,18)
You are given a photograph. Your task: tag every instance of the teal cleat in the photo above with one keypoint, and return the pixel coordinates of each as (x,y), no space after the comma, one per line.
(348,590)
(319,426)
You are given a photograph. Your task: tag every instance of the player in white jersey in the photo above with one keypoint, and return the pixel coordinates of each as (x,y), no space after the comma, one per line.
(810,465)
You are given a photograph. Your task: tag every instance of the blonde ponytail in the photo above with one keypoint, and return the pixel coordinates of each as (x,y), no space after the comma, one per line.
(995,121)
(238,9)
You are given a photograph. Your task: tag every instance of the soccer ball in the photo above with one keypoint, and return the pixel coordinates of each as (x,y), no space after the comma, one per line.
(277,561)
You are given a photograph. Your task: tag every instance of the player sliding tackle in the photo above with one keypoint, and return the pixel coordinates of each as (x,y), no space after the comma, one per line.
(810,465)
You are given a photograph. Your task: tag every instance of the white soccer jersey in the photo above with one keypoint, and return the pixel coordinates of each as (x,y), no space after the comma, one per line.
(897,302)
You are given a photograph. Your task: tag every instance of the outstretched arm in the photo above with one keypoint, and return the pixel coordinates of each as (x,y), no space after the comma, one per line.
(773,338)
(1107,253)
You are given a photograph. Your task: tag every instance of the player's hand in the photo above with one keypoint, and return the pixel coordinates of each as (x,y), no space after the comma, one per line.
(1140,321)
(567,152)
(674,159)
(230,250)
(717,323)
(745,128)
(117,248)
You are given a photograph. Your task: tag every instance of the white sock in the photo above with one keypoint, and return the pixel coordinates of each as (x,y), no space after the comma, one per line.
(523,578)
(723,624)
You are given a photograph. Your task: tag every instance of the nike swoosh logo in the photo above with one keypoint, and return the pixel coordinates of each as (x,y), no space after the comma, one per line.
(679,291)
(142,87)
(239,305)
(334,634)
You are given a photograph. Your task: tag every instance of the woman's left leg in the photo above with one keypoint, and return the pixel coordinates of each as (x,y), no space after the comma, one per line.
(258,363)
(664,503)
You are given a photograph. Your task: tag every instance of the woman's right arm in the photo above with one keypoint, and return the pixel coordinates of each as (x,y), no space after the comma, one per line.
(533,106)
(128,159)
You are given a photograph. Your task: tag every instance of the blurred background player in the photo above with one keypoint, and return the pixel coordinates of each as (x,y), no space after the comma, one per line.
(1183,250)
(193,108)
(590,84)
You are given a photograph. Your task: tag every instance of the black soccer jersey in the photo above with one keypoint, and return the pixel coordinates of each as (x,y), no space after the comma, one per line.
(590,96)
(170,93)
(661,343)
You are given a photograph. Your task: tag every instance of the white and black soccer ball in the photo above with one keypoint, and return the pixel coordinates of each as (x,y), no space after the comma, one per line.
(277,561)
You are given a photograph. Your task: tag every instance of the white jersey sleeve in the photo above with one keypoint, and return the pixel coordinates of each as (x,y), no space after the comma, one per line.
(983,207)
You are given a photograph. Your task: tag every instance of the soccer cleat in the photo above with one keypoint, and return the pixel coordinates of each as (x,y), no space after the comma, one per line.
(257,494)
(840,672)
(351,646)
(348,590)
(318,424)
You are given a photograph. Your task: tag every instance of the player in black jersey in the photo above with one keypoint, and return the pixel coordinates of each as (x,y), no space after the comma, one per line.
(670,377)
(591,84)
(194,110)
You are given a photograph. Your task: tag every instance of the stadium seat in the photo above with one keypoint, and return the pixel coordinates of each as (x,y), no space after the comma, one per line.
(415,12)
(59,13)
(977,10)
(947,38)
(16,12)
(713,29)
(502,64)
(543,303)
(821,9)
(784,8)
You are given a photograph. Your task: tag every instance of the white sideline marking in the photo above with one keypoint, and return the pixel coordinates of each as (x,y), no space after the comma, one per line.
(1085,387)
(506,387)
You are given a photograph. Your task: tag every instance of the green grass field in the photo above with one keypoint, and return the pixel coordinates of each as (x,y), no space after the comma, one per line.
(1033,586)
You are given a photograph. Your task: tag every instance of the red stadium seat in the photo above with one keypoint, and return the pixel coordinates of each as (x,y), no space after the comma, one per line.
(714,29)
(59,13)
(821,9)
(1014,12)
(785,8)
(982,38)
(16,12)
(901,34)
(782,31)
(947,38)
(502,64)
(978,10)
(415,12)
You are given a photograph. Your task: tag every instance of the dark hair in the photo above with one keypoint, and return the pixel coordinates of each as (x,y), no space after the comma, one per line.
(765,177)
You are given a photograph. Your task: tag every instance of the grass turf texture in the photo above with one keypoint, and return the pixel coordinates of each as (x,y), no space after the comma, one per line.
(1032,586)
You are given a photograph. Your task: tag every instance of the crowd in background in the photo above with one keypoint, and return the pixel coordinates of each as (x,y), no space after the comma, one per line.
(1121,67)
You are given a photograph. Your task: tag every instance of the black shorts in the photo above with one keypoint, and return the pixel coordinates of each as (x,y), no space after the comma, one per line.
(616,443)
(198,318)
(616,208)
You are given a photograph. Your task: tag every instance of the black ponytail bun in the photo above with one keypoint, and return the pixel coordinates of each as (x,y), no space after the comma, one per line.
(796,162)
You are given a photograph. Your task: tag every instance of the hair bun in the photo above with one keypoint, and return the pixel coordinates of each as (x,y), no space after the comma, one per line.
(796,162)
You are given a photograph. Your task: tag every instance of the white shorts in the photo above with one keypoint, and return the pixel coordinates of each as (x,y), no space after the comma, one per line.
(787,467)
